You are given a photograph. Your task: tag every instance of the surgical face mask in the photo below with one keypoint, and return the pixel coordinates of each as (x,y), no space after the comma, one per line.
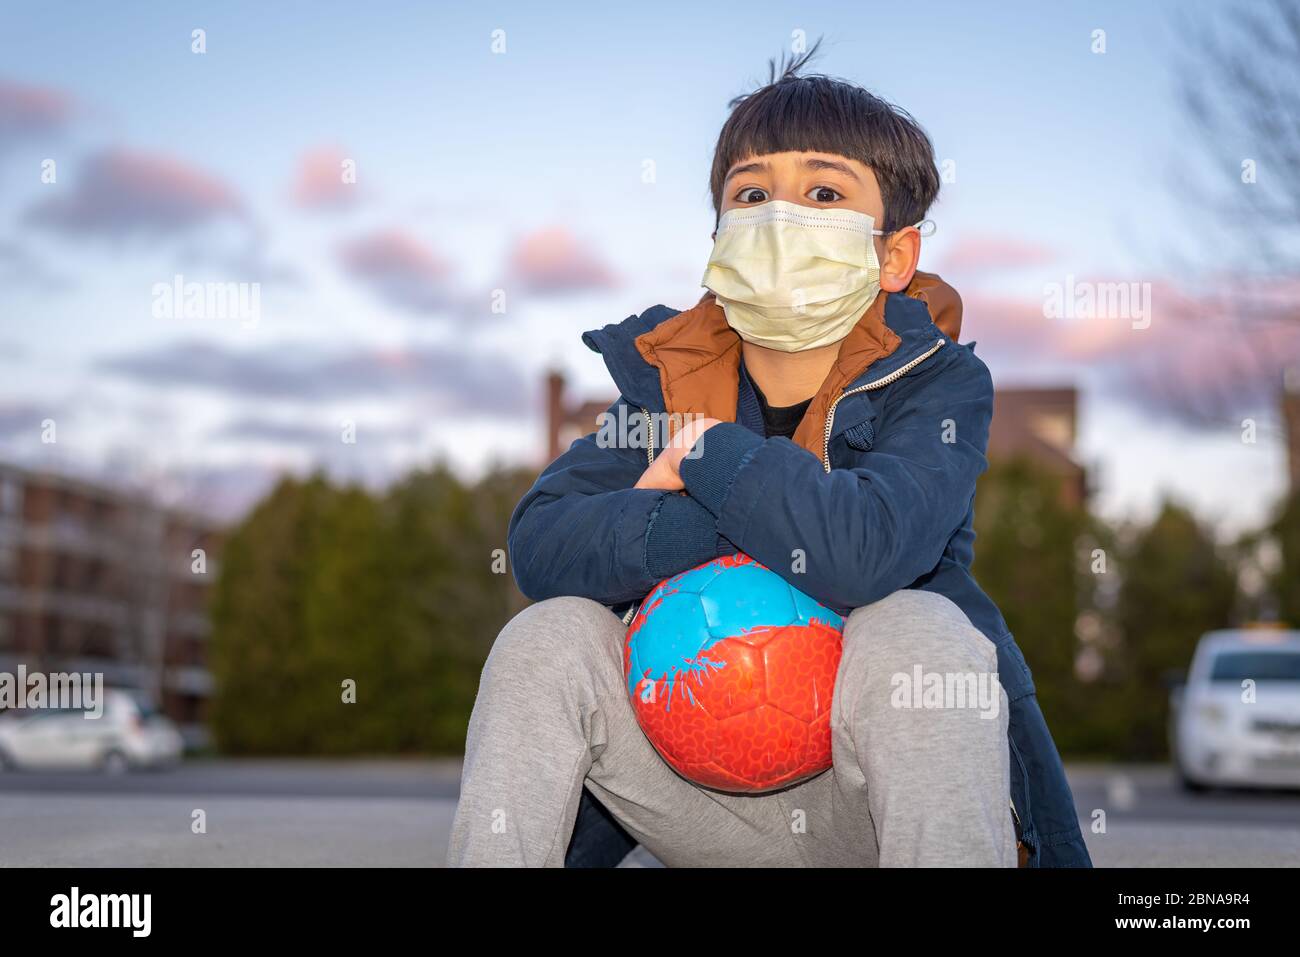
(791,277)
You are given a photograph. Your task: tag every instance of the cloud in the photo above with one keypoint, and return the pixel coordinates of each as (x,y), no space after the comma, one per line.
(453,382)
(250,262)
(553,261)
(990,253)
(319,182)
(400,269)
(31,111)
(20,419)
(19,267)
(319,437)
(122,193)
(1200,361)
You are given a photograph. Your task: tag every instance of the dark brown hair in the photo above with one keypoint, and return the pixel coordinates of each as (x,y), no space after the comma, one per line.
(822,114)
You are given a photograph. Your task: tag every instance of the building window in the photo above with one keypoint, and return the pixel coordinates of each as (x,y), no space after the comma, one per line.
(11,497)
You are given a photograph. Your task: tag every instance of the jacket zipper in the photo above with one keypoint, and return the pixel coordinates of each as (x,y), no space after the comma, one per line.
(650,446)
(878,384)
(650,460)
(830,420)
(1020,834)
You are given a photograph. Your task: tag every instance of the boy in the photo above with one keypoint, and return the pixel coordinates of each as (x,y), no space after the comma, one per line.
(833,430)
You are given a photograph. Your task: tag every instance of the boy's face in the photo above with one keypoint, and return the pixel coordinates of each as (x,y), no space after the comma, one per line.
(825,181)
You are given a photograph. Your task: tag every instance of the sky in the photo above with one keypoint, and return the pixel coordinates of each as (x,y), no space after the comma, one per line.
(519,173)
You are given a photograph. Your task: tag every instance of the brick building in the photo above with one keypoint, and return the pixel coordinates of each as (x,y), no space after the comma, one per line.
(1290,402)
(93,579)
(1040,425)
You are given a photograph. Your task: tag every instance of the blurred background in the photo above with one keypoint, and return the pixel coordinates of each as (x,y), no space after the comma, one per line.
(290,306)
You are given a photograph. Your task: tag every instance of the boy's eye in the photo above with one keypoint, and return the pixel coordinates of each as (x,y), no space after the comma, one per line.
(823,194)
(752,194)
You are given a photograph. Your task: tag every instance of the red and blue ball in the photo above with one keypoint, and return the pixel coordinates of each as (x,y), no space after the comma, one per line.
(731,671)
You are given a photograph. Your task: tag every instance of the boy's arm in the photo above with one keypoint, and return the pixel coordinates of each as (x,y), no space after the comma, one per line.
(583,530)
(864,532)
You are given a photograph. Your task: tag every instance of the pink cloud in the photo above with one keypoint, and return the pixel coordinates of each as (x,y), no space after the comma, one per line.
(400,269)
(121,192)
(319,183)
(987,253)
(1198,360)
(31,111)
(554,261)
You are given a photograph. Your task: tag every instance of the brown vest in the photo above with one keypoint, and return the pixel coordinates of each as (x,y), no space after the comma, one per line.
(698,356)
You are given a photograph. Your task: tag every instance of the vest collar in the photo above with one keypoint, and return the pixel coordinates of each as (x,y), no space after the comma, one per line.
(697,356)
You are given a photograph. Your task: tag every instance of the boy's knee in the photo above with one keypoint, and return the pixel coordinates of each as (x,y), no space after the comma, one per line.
(552,636)
(893,651)
(912,627)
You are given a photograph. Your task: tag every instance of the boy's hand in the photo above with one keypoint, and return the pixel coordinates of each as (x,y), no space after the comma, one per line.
(663,472)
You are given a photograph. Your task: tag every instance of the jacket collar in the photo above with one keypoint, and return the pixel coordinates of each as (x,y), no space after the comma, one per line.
(688,362)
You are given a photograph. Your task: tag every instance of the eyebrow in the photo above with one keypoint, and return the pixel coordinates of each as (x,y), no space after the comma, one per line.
(813,164)
(757,167)
(820,164)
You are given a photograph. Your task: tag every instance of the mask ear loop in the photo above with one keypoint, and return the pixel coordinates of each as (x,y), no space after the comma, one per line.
(925,227)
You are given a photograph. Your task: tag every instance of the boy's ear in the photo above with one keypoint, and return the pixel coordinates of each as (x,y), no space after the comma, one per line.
(902,253)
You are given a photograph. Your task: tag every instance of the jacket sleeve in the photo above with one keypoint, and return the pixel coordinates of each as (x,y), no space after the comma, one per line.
(862,532)
(583,530)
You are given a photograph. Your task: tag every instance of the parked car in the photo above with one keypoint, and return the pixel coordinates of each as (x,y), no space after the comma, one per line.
(128,734)
(1236,722)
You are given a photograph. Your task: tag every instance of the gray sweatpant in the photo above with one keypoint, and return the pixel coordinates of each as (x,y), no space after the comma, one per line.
(920,772)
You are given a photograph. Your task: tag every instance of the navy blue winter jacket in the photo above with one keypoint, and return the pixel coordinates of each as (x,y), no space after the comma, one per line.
(890,506)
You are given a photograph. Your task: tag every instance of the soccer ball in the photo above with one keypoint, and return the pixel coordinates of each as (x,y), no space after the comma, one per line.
(731,673)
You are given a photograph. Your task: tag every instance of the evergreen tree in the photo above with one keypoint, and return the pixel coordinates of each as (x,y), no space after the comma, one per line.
(1175,587)
(1285,584)
(1027,559)
(397,594)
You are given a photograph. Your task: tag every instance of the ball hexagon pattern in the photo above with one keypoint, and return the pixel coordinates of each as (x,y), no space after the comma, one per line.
(731,671)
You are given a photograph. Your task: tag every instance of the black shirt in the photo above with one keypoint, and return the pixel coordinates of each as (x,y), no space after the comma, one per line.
(780,420)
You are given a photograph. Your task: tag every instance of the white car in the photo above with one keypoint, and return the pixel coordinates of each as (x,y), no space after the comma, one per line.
(128,734)
(1237,720)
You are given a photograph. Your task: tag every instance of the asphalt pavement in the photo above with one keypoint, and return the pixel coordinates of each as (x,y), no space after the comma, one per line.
(398,813)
